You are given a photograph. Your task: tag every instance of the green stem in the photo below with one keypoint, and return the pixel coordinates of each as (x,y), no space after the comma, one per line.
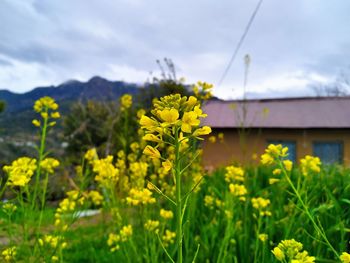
(178,199)
(41,155)
(306,210)
(43,198)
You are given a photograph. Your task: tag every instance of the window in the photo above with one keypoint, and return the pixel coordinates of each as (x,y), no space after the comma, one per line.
(292,153)
(329,152)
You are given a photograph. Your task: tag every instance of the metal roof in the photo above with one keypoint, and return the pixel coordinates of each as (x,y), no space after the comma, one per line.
(313,112)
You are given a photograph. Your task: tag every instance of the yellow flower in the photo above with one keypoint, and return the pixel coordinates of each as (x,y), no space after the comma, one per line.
(36,123)
(95,197)
(126,101)
(273,180)
(169,116)
(168,237)
(152,226)
(189,120)
(345,257)
(192,101)
(278,253)
(49,164)
(310,164)
(233,174)
(125,233)
(140,113)
(205,130)
(147,122)
(166,214)
(263,237)
(151,152)
(55,115)
(151,138)
(91,155)
(276,171)
(237,190)
(20,171)
(212,139)
(9,254)
(137,197)
(288,165)
(272,153)
(167,165)
(106,172)
(44,104)
(9,208)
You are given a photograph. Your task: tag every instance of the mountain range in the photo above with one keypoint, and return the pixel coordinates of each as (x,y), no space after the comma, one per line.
(96,88)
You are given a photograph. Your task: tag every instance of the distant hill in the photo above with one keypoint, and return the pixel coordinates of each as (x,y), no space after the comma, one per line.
(96,88)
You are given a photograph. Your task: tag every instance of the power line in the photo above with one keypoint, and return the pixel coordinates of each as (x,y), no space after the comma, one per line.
(240,42)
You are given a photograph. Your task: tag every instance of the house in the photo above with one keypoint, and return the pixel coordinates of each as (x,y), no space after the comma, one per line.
(318,126)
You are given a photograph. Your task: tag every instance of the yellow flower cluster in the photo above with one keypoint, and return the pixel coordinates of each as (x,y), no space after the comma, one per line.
(114,239)
(152,226)
(44,106)
(166,214)
(345,257)
(213,138)
(261,205)
(291,249)
(95,197)
(91,155)
(263,237)
(273,153)
(125,101)
(137,197)
(9,254)
(49,164)
(20,171)
(54,242)
(9,208)
(310,164)
(234,174)
(67,206)
(211,201)
(106,173)
(238,190)
(171,114)
(138,172)
(168,237)
(203,90)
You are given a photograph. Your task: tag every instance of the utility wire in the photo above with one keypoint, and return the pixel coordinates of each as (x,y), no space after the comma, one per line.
(240,42)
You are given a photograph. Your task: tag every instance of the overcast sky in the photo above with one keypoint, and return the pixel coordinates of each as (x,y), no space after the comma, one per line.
(292,44)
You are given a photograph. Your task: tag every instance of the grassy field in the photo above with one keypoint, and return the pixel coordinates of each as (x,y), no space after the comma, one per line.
(156,203)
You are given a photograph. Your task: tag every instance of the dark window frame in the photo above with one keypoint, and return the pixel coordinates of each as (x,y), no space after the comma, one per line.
(340,142)
(281,141)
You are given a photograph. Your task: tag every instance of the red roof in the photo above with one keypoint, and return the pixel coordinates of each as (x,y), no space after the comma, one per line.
(318,112)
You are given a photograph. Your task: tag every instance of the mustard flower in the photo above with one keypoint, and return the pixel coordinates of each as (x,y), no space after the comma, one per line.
(205,130)
(189,120)
(169,116)
(137,197)
(272,153)
(167,165)
(20,171)
(140,113)
(152,226)
(238,190)
(9,254)
(44,104)
(95,197)
(125,233)
(345,257)
(292,250)
(49,164)
(36,123)
(263,237)
(106,172)
(151,152)
(9,208)
(166,214)
(288,165)
(310,164)
(212,139)
(91,155)
(126,101)
(168,237)
(152,138)
(234,174)
(261,204)
(113,241)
